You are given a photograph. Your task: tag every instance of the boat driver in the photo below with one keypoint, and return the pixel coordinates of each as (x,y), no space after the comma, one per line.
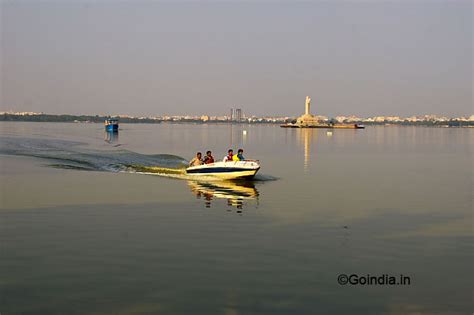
(239,156)
(197,160)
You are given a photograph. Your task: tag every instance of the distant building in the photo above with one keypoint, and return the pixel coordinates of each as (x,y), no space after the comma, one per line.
(236,114)
(21,113)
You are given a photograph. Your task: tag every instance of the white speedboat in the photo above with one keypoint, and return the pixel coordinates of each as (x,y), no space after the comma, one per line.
(226,170)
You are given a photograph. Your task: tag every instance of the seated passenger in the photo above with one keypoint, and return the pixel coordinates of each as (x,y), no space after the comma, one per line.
(197,160)
(229,156)
(208,159)
(239,156)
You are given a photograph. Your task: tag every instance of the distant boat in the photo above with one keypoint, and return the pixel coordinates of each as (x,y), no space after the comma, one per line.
(111,124)
(327,126)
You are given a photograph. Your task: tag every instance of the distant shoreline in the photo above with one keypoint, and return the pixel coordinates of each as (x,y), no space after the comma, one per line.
(74,118)
(134,120)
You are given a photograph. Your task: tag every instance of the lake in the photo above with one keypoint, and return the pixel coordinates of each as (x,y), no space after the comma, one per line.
(81,233)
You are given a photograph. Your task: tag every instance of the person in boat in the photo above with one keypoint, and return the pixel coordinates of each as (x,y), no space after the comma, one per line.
(239,156)
(196,161)
(208,159)
(229,156)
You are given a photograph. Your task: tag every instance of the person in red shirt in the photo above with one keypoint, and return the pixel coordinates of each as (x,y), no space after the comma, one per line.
(208,159)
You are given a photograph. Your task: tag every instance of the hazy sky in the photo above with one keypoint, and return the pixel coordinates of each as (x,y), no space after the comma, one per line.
(153,58)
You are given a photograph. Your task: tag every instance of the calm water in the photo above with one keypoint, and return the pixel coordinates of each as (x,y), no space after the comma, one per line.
(82,234)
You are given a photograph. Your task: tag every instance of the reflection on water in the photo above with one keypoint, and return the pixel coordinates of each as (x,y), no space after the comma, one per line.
(237,138)
(305,137)
(111,137)
(236,193)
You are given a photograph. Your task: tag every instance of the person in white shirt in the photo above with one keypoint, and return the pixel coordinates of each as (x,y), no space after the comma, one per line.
(229,156)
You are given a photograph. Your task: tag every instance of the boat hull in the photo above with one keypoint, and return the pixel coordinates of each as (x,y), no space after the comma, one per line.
(226,170)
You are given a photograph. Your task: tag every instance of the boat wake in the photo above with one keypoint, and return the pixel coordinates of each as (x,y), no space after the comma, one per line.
(73,155)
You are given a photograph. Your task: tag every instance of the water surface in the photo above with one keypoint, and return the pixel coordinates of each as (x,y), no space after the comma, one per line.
(83,234)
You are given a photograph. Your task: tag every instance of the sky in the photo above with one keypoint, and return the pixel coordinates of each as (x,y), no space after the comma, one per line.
(198,57)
